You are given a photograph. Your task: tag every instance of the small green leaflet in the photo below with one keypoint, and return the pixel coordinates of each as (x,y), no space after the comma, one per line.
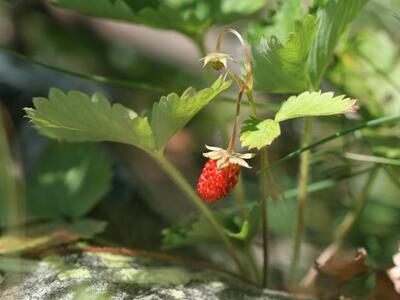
(314,104)
(257,133)
(336,17)
(282,68)
(172,112)
(76,117)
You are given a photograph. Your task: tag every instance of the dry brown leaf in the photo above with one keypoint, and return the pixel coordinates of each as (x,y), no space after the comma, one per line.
(384,288)
(339,270)
(394,273)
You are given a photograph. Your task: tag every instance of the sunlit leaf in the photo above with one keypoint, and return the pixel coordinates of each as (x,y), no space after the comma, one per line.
(282,68)
(172,112)
(67,181)
(47,235)
(336,17)
(257,133)
(314,104)
(76,117)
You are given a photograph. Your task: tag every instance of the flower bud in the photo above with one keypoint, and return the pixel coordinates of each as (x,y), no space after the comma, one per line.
(218,60)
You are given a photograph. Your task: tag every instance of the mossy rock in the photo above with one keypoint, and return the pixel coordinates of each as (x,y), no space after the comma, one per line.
(101,276)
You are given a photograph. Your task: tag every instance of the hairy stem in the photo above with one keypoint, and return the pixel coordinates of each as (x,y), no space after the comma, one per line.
(180,181)
(302,198)
(344,228)
(236,124)
(249,74)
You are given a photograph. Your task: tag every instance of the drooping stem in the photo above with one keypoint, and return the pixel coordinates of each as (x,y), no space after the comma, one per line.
(344,228)
(246,51)
(180,181)
(236,124)
(302,198)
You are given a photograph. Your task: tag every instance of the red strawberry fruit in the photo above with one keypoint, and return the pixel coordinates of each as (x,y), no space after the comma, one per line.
(215,183)
(220,174)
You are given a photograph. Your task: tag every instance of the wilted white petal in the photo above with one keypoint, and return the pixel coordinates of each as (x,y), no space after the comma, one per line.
(214,148)
(247,155)
(212,155)
(239,161)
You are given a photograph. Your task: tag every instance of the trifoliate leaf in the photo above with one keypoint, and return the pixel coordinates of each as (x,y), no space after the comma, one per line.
(172,112)
(77,117)
(336,17)
(313,104)
(257,133)
(67,181)
(281,68)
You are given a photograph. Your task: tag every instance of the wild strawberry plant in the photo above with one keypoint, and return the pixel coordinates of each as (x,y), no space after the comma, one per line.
(289,58)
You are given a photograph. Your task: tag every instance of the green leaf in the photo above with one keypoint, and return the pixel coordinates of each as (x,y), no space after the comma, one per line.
(282,68)
(283,22)
(364,70)
(76,117)
(313,104)
(191,17)
(248,228)
(67,181)
(336,17)
(257,133)
(172,112)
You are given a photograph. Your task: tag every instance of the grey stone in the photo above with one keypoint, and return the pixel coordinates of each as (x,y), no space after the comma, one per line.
(101,276)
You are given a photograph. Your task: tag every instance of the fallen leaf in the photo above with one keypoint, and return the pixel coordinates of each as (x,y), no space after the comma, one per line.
(43,236)
(384,288)
(340,270)
(394,273)
(17,244)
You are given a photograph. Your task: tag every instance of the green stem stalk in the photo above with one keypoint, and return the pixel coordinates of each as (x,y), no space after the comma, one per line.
(302,198)
(253,264)
(265,183)
(344,228)
(180,181)
(236,124)
(264,215)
